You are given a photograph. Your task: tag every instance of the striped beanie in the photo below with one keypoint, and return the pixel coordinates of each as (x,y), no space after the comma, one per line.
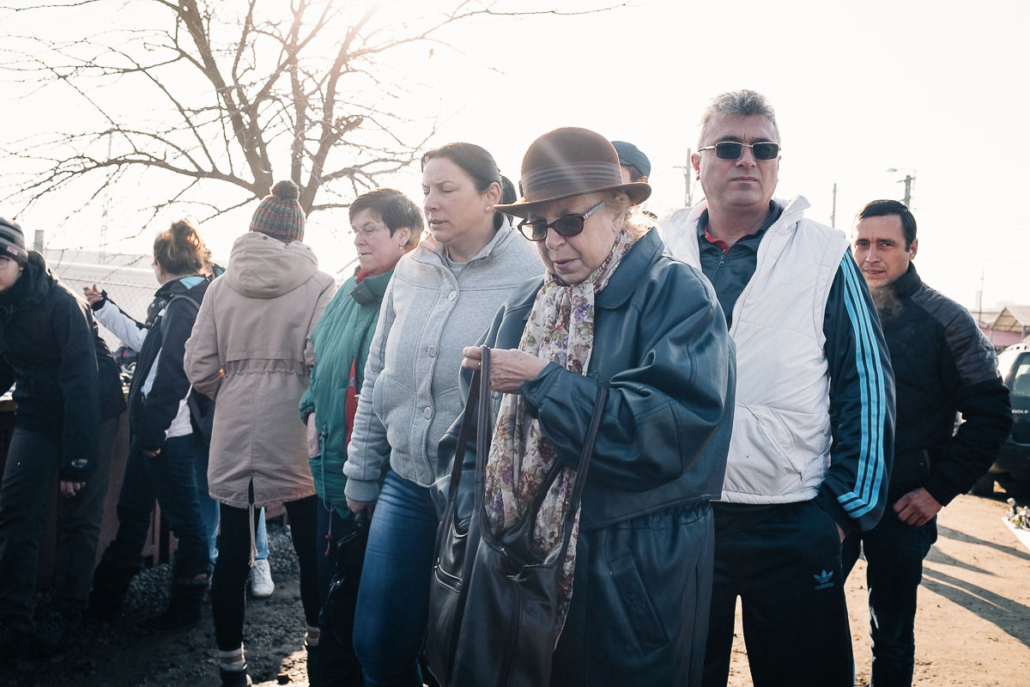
(12,241)
(279,215)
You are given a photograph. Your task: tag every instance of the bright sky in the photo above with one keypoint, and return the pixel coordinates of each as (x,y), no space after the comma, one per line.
(938,90)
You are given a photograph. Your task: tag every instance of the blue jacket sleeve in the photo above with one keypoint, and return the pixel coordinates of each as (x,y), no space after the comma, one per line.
(854,490)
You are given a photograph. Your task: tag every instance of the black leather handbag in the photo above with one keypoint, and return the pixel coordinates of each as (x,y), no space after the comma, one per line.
(342,599)
(493,601)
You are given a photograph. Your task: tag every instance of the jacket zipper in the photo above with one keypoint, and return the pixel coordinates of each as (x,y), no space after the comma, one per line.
(758,263)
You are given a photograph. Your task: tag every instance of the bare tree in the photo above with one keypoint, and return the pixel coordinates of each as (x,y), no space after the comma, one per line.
(251,92)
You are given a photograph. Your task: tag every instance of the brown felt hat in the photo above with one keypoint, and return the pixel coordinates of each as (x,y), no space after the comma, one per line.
(570,162)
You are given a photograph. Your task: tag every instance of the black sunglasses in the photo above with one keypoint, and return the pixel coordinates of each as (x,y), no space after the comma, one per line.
(732,150)
(569,225)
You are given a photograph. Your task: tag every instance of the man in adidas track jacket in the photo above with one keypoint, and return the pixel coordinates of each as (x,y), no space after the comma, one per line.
(812,442)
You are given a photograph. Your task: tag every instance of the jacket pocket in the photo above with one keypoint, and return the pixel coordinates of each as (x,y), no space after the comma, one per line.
(760,454)
(778,435)
(636,602)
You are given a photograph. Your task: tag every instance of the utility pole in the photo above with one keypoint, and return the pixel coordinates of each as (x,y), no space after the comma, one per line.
(980,299)
(833,213)
(908,190)
(688,195)
(910,182)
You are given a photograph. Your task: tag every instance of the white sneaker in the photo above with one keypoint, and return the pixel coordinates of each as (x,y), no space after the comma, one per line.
(261,584)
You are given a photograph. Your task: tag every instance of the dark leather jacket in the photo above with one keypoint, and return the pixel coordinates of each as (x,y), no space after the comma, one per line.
(942,364)
(662,347)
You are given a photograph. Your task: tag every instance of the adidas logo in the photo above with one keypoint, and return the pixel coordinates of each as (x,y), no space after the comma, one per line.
(823,580)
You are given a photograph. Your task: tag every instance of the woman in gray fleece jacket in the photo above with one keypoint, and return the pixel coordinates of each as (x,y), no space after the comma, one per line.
(442,297)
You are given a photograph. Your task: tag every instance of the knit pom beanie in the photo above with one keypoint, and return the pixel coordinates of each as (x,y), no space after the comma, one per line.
(279,215)
(12,241)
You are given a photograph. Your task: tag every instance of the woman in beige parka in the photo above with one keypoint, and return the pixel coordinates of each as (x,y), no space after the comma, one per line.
(250,353)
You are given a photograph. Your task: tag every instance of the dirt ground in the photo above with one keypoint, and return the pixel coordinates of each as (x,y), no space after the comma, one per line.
(973,622)
(973,626)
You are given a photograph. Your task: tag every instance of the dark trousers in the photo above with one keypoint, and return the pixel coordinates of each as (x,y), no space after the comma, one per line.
(169,476)
(33,461)
(894,553)
(337,663)
(639,602)
(784,562)
(229,585)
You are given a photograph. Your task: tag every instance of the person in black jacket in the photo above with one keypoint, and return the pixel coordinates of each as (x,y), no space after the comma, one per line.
(613,310)
(161,459)
(69,399)
(942,364)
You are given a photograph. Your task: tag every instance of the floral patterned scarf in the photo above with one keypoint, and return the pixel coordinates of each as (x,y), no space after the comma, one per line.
(560,330)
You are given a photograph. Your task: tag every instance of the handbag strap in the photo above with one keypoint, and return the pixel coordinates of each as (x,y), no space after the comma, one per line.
(463,433)
(584,467)
(483,433)
(528,521)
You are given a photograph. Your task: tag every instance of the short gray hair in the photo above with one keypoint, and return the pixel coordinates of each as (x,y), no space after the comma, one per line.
(742,103)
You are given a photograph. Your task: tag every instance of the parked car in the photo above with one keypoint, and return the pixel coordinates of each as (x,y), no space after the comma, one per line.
(1012,468)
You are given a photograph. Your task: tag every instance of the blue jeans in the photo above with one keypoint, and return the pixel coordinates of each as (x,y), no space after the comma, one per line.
(170,477)
(894,554)
(209,512)
(393,597)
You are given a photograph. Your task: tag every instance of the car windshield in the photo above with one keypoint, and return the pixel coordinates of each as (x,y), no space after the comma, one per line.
(1020,380)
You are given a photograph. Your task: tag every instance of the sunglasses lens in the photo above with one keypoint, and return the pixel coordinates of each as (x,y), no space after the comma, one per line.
(766,151)
(535,230)
(728,150)
(568,226)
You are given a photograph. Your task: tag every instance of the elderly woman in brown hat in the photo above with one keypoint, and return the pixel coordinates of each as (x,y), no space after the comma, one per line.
(612,310)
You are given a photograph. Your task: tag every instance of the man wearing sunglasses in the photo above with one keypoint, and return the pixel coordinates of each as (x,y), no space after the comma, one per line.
(812,440)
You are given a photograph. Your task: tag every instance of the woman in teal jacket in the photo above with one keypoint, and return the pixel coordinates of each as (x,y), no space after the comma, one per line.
(386,225)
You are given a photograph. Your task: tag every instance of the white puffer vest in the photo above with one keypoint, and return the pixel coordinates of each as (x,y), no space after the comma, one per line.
(780,448)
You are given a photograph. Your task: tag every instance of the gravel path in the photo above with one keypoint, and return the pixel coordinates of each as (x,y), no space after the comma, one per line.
(122,654)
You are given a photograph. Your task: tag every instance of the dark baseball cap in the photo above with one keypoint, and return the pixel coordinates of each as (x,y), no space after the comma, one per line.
(12,241)
(630,156)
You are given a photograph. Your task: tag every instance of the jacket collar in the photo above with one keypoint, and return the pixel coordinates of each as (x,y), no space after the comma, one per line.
(432,253)
(371,289)
(178,286)
(793,211)
(33,285)
(909,282)
(627,274)
(621,286)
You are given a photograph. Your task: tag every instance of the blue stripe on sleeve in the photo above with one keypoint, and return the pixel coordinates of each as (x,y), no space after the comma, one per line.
(870,471)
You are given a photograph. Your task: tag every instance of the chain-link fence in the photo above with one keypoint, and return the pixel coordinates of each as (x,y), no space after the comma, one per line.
(131,287)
